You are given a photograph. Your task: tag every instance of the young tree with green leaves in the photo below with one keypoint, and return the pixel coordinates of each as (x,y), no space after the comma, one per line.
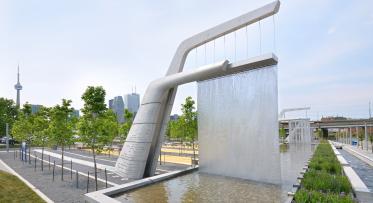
(282,133)
(23,128)
(8,114)
(41,126)
(62,126)
(189,121)
(97,127)
(125,127)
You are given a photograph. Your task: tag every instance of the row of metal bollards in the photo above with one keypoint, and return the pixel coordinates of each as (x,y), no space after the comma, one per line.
(23,158)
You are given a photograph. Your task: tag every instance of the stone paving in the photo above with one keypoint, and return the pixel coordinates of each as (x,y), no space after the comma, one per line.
(364,170)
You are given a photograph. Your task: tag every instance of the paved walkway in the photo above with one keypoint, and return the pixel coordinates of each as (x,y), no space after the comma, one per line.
(364,170)
(364,155)
(68,190)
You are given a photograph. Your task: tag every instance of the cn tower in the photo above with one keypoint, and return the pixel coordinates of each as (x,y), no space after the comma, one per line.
(18,87)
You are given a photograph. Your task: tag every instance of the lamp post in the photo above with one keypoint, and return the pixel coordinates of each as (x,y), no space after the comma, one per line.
(7,136)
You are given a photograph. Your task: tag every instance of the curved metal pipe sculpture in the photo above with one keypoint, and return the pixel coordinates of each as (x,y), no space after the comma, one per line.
(139,155)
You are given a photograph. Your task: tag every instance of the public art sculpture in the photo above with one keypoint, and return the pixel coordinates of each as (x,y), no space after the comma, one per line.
(139,155)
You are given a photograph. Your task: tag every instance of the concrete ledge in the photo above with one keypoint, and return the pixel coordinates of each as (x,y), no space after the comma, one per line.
(295,187)
(356,183)
(342,160)
(104,195)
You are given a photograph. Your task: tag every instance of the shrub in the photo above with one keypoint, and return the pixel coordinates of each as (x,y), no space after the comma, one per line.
(305,196)
(324,182)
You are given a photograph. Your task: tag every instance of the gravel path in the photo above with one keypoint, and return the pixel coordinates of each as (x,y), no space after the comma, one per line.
(57,190)
(364,171)
(66,191)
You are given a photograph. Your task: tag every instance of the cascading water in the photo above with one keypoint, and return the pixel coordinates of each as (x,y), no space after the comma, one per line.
(238,127)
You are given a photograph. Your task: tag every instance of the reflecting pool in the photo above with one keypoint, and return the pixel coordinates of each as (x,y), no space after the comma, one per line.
(202,187)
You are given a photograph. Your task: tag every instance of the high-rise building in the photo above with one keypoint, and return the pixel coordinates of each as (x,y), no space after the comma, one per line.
(132,102)
(18,87)
(111,103)
(35,108)
(117,106)
(75,113)
(174,117)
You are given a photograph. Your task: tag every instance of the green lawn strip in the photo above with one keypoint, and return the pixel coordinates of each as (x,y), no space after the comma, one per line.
(324,182)
(13,189)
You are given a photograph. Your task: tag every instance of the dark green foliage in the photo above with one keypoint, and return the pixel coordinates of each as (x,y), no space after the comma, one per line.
(8,114)
(325,160)
(324,182)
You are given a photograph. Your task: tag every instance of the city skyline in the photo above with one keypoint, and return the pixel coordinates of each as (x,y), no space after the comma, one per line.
(88,45)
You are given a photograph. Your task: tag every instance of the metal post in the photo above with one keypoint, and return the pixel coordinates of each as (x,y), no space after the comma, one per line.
(105,178)
(49,162)
(35,163)
(41,162)
(7,136)
(71,169)
(87,181)
(350,136)
(54,165)
(77,178)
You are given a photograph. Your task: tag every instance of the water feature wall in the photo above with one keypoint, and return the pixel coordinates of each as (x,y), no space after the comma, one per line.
(299,131)
(238,126)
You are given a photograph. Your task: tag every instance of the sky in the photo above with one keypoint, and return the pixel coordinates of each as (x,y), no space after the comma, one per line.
(325,48)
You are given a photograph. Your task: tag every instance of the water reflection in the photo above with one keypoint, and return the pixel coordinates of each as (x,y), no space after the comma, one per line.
(293,159)
(202,187)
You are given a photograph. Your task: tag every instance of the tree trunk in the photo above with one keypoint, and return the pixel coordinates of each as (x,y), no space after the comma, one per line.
(29,153)
(63,148)
(95,165)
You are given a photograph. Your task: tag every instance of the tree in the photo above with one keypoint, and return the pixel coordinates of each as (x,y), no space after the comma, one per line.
(282,134)
(23,128)
(97,124)
(189,121)
(126,126)
(41,126)
(113,127)
(8,114)
(62,125)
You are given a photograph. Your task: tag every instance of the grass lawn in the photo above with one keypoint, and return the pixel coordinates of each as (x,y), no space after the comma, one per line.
(13,189)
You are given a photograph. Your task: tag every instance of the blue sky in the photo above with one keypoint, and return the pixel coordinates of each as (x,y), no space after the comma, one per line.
(324,48)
